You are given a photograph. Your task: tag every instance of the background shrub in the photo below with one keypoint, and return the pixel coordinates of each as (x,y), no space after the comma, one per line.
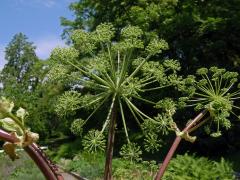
(191,167)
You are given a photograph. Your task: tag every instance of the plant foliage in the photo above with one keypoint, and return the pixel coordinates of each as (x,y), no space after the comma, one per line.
(214,92)
(117,74)
(14,124)
(191,167)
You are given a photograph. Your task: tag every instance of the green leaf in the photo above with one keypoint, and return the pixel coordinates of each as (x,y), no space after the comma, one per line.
(10,125)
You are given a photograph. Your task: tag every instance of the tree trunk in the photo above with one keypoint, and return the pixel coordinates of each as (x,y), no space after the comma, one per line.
(109,153)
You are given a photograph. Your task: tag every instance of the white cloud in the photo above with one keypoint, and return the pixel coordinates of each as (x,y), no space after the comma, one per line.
(46,3)
(46,44)
(2,54)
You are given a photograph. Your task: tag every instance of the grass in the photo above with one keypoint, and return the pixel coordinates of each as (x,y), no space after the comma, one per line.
(91,166)
(20,169)
(186,167)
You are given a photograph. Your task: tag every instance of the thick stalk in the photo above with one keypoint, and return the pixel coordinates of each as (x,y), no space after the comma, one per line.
(7,137)
(175,145)
(40,162)
(50,164)
(36,157)
(109,154)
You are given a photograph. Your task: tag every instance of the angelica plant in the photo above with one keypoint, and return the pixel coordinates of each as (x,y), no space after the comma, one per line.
(214,92)
(16,134)
(131,151)
(116,75)
(14,124)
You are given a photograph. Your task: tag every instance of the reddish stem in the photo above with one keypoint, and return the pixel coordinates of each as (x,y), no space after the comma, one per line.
(50,164)
(175,144)
(7,137)
(36,156)
(109,154)
(42,165)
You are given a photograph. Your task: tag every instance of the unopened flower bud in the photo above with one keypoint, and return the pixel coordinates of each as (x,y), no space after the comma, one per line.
(21,113)
(5,106)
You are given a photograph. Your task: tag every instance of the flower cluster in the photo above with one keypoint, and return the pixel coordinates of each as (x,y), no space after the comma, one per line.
(214,92)
(117,74)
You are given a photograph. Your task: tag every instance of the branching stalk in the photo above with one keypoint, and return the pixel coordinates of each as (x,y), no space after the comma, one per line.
(95,77)
(109,114)
(136,70)
(123,119)
(111,135)
(176,143)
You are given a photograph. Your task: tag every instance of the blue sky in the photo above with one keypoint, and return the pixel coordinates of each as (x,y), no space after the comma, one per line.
(38,19)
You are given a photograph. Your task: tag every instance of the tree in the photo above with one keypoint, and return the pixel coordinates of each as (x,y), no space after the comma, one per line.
(16,75)
(198,32)
(40,102)
(141,13)
(23,79)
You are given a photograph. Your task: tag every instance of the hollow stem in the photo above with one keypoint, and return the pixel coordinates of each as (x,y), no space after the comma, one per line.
(109,154)
(36,157)
(199,125)
(175,144)
(41,163)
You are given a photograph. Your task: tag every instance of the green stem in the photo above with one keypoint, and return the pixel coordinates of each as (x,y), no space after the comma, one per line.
(111,61)
(236,107)
(156,88)
(123,71)
(17,121)
(235,98)
(145,84)
(207,91)
(234,94)
(95,100)
(100,80)
(198,125)
(123,119)
(145,100)
(197,99)
(104,100)
(136,109)
(91,85)
(147,79)
(137,69)
(111,83)
(219,85)
(209,83)
(202,95)
(124,68)
(134,115)
(109,113)
(228,88)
